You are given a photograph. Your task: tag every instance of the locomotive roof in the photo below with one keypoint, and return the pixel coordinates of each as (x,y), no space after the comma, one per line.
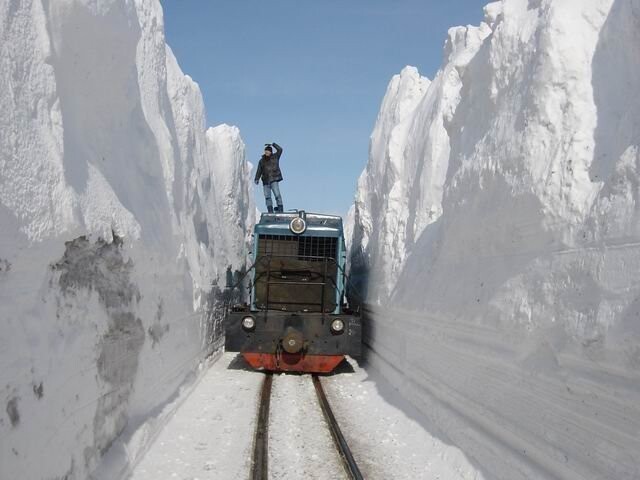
(320,220)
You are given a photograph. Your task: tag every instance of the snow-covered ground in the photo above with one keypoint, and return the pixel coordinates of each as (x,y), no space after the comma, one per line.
(498,223)
(119,217)
(300,443)
(210,432)
(210,436)
(389,438)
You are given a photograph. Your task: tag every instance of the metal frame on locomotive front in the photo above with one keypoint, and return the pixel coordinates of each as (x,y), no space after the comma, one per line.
(282,229)
(336,283)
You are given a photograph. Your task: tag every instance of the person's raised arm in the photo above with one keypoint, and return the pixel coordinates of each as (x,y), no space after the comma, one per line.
(278,148)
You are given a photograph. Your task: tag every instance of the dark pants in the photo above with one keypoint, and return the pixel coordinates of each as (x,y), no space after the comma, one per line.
(275,188)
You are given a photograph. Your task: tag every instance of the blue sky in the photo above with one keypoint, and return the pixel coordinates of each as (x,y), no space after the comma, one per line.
(308,74)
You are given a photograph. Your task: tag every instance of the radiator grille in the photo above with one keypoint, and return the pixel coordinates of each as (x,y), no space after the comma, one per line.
(303,247)
(296,273)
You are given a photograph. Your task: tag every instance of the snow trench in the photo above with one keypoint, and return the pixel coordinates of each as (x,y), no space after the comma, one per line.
(121,216)
(497,241)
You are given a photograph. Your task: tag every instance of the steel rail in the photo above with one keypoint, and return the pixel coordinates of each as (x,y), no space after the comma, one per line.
(260,467)
(348,461)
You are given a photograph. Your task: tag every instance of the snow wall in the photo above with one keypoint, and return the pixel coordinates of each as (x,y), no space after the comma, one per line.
(497,240)
(120,215)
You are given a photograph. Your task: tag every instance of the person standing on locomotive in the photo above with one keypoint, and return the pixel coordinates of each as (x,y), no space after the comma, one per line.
(269,172)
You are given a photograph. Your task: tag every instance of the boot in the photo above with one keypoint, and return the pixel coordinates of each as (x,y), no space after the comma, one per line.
(279,209)
(270,209)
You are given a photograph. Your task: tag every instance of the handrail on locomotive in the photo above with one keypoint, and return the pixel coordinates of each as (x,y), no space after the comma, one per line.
(242,278)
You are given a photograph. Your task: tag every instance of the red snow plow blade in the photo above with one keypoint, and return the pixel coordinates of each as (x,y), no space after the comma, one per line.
(293,362)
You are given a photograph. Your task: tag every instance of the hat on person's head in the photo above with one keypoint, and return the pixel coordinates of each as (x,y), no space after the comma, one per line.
(268,147)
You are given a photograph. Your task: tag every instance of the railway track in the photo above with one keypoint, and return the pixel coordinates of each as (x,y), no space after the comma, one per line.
(260,464)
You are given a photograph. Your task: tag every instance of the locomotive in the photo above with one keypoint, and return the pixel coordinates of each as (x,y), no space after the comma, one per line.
(296,318)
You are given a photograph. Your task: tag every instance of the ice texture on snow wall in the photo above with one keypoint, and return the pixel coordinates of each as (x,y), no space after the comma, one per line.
(498,223)
(120,215)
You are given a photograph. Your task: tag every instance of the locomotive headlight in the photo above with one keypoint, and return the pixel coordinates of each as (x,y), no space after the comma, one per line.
(248,323)
(298,225)
(337,326)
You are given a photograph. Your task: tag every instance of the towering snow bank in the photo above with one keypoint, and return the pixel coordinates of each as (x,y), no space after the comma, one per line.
(120,216)
(381,198)
(238,211)
(508,245)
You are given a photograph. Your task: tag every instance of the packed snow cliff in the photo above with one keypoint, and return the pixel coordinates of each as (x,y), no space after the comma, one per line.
(121,217)
(498,223)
